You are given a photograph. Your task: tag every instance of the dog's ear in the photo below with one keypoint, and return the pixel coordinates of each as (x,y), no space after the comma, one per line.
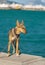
(17,23)
(22,22)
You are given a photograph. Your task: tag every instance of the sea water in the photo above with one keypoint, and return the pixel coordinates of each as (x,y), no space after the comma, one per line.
(31,43)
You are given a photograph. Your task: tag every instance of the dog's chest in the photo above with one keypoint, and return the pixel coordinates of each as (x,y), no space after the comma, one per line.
(13,38)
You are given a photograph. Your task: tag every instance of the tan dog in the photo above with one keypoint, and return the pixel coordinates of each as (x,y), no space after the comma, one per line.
(14,34)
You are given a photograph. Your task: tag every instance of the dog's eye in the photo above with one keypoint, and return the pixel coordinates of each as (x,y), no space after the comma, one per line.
(23,27)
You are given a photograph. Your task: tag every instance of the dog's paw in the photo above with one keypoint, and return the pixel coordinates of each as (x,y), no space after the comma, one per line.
(17,54)
(8,54)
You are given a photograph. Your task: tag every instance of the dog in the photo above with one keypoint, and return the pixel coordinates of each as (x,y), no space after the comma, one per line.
(14,35)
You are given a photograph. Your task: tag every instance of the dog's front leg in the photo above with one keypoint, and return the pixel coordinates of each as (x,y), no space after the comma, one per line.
(9,44)
(13,45)
(17,46)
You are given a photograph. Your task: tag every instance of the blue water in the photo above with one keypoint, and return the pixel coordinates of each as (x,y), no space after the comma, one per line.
(34,41)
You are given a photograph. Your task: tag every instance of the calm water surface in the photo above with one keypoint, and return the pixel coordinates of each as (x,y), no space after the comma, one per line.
(31,43)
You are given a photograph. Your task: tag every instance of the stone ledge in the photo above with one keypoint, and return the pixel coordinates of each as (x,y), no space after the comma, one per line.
(23,59)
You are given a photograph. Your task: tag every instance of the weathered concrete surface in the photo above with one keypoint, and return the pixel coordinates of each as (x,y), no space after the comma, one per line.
(23,59)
